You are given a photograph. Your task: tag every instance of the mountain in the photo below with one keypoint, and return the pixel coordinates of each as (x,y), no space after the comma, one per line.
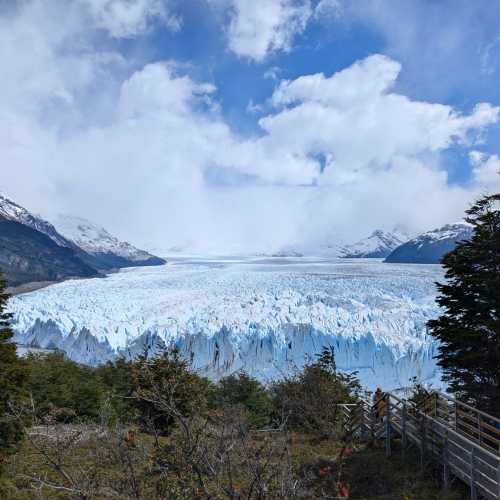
(91,243)
(107,250)
(33,250)
(28,255)
(12,211)
(379,244)
(429,247)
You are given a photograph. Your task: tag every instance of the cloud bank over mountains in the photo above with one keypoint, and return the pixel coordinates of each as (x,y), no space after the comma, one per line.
(91,127)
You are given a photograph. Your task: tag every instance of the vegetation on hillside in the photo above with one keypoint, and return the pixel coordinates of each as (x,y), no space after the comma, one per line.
(152,428)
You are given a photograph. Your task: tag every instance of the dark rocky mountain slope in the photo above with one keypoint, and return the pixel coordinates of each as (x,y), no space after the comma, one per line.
(429,247)
(27,255)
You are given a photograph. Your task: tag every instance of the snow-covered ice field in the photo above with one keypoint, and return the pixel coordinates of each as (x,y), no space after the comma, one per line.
(265,316)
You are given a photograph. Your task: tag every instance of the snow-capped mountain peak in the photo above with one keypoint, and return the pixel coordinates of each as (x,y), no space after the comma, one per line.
(379,244)
(12,211)
(429,247)
(460,230)
(96,240)
(92,243)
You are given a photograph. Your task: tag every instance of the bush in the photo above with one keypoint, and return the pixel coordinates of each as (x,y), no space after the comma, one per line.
(164,385)
(308,401)
(117,378)
(61,389)
(241,389)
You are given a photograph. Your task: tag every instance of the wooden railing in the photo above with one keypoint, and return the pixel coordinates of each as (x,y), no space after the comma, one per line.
(463,440)
(480,427)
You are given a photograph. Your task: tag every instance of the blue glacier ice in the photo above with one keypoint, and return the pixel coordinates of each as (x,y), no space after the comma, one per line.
(264,316)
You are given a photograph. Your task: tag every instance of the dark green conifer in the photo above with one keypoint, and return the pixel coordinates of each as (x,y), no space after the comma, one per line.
(469,327)
(11,383)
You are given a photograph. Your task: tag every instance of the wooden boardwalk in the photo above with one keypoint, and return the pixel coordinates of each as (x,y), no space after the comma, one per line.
(463,440)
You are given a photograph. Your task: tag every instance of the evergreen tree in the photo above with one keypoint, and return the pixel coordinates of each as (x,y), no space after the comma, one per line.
(11,383)
(469,328)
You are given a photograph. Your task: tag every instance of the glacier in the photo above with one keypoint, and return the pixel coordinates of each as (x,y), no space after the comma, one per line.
(266,316)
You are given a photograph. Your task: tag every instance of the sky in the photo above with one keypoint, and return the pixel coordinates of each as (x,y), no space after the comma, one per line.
(225,126)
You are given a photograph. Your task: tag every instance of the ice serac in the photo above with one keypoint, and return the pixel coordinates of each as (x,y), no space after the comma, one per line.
(267,319)
(106,250)
(430,247)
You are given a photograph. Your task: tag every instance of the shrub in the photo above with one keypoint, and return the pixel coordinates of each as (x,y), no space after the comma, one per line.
(63,389)
(308,400)
(117,378)
(241,389)
(164,385)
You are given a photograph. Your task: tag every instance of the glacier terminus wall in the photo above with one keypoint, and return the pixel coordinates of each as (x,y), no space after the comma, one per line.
(264,316)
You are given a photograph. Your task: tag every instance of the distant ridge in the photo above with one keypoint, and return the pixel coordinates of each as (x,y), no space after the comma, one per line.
(28,255)
(107,250)
(430,247)
(32,250)
(378,245)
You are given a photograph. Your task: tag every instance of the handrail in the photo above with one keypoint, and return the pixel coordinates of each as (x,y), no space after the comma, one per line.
(463,437)
(469,407)
(467,457)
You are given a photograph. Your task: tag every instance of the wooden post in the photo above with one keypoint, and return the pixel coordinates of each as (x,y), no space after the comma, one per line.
(423,444)
(372,417)
(403,432)
(456,415)
(479,425)
(498,479)
(446,470)
(473,490)
(365,422)
(388,426)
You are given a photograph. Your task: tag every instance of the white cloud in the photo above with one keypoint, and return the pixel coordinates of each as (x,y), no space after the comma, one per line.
(137,147)
(272,73)
(258,28)
(129,18)
(327,9)
(353,118)
(485,171)
(365,79)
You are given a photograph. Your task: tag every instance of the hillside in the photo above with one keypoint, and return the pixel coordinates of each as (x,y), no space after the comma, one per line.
(429,247)
(45,254)
(106,250)
(27,255)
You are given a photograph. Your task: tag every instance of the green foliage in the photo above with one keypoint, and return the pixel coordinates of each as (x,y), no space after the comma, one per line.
(163,385)
(61,389)
(241,389)
(118,380)
(308,401)
(423,398)
(11,383)
(469,328)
